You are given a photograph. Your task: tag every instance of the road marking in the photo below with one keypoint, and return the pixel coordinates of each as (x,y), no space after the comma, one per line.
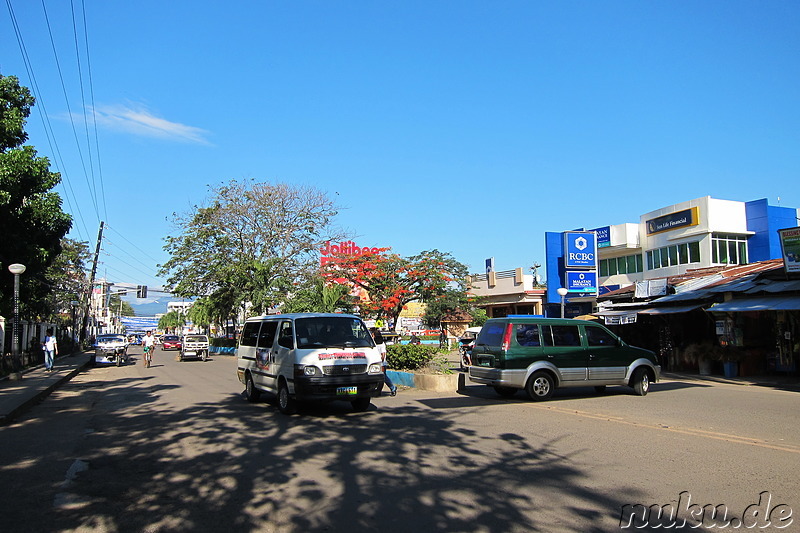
(684,431)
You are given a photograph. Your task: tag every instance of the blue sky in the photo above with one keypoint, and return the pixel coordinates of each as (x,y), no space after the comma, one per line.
(470,127)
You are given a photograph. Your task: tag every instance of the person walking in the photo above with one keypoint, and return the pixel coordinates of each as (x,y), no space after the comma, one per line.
(149,343)
(378,338)
(50,350)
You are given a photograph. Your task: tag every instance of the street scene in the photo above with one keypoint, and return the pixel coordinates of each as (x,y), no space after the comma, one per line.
(412,266)
(176,447)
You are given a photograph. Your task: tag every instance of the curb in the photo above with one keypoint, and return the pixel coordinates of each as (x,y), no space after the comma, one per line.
(431,382)
(37,396)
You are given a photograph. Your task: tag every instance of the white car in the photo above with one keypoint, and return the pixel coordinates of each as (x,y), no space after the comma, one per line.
(111,348)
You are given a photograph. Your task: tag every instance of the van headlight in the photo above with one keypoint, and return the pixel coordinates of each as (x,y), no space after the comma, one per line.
(306,370)
(375,368)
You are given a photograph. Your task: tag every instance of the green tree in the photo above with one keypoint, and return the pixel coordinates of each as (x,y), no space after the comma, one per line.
(173,320)
(247,248)
(32,223)
(66,276)
(316,295)
(120,306)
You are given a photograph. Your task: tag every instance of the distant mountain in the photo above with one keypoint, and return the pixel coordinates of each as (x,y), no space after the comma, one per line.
(152,306)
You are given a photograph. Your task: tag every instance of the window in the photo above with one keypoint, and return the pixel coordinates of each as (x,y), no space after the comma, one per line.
(728,249)
(249,334)
(599,337)
(267,336)
(528,335)
(286,337)
(565,336)
(629,264)
(678,254)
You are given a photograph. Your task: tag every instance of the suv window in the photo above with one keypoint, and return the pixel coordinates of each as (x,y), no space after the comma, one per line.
(491,334)
(528,335)
(267,336)
(249,334)
(599,337)
(561,336)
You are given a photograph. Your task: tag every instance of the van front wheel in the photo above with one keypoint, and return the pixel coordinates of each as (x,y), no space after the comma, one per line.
(540,386)
(361,404)
(286,404)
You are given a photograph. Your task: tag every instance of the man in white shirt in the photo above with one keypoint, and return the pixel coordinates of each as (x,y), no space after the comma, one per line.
(149,343)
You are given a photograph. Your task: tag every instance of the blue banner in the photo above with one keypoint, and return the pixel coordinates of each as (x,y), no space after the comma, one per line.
(138,323)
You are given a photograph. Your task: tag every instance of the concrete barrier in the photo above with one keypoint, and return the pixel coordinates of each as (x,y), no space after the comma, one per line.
(432,382)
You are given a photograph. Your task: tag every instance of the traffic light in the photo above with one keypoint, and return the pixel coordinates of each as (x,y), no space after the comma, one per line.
(141,291)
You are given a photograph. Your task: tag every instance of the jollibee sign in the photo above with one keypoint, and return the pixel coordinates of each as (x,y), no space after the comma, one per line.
(344,247)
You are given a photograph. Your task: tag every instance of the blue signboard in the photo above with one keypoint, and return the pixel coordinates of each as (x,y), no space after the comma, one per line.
(585,282)
(580,250)
(603,236)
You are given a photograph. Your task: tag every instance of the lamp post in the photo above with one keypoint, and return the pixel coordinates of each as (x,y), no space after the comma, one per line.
(562,292)
(15,269)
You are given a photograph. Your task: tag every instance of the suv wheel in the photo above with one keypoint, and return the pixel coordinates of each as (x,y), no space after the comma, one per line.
(640,381)
(540,386)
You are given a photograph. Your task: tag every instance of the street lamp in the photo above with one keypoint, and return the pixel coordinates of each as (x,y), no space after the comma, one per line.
(562,292)
(15,269)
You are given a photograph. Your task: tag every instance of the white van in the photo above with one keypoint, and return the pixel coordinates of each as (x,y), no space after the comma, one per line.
(309,357)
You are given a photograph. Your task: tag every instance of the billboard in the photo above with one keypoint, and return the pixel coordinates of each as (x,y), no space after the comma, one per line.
(583,282)
(580,249)
(790,246)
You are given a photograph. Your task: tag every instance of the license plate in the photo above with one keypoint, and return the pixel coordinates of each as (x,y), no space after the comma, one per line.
(187,352)
(346,391)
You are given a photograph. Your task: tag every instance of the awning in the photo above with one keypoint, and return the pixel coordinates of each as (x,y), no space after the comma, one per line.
(614,318)
(669,310)
(766,303)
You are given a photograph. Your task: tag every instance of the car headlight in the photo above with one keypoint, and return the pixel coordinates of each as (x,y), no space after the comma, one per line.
(375,368)
(306,370)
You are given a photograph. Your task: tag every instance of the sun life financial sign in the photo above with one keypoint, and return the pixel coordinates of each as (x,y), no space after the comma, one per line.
(679,219)
(580,249)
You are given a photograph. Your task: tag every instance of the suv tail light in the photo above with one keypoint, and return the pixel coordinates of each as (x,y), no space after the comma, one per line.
(506,337)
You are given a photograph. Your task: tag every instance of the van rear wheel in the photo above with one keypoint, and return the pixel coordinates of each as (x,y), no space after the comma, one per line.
(250,390)
(286,404)
(540,386)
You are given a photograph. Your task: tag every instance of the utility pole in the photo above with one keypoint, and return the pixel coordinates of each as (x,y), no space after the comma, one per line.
(85,322)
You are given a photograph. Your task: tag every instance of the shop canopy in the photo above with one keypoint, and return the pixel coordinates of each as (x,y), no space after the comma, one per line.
(765,303)
(670,310)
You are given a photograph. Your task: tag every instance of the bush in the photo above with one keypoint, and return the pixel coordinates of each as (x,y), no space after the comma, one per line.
(409,356)
(223,342)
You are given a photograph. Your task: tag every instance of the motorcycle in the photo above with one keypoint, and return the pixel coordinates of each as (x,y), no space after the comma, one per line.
(466,343)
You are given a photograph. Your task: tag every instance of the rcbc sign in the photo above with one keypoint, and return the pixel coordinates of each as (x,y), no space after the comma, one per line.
(580,249)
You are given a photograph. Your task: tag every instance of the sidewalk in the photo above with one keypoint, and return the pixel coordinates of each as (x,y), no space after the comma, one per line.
(781,382)
(18,395)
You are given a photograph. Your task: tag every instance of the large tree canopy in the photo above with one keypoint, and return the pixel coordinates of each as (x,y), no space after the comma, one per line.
(392,281)
(248,246)
(32,223)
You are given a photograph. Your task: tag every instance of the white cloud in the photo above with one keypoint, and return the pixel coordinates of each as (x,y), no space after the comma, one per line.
(138,120)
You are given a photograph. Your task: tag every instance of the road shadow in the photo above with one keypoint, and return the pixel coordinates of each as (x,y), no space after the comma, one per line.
(234,465)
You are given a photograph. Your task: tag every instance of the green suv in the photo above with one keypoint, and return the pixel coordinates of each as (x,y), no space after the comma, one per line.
(542,354)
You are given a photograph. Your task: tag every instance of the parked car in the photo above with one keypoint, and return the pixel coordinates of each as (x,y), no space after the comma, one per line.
(194,347)
(539,355)
(171,342)
(111,349)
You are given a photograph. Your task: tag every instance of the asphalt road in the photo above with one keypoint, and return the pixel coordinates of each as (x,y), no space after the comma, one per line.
(176,448)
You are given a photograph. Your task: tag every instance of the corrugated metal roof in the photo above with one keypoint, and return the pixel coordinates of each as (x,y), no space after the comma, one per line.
(765,303)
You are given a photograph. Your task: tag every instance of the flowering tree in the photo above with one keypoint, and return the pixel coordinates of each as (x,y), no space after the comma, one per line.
(391,281)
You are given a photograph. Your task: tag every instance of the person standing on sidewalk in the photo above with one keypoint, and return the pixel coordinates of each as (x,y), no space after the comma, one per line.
(50,350)
(149,343)
(378,338)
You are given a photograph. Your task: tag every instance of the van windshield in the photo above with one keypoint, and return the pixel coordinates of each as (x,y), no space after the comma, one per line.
(322,332)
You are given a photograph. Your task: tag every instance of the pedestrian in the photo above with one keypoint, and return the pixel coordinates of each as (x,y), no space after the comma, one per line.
(414,339)
(378,338)
(50,350)
(149,343)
